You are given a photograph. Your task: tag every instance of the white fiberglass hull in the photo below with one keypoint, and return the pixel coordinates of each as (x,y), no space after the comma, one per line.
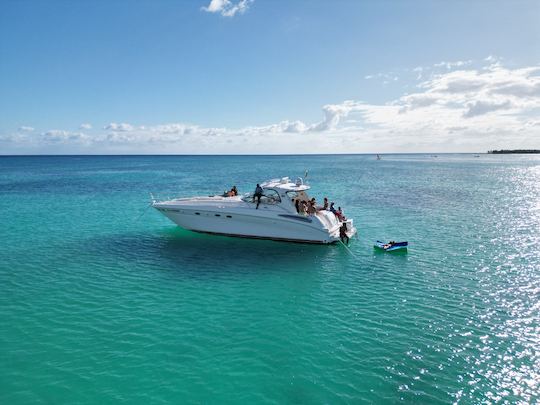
(257,224)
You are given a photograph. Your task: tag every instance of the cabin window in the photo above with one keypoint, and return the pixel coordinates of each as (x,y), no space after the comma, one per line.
(292,194)
(301,195)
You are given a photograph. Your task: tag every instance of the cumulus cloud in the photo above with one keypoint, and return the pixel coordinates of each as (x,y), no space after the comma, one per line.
(385,77)
(122,127)
(334,114)
(478,92)
(464,109)
(451,65)
(483,107)
(85,126)
(26,129)
(57,135)
(227,8)
(492,59)
(422,72)
(488,106)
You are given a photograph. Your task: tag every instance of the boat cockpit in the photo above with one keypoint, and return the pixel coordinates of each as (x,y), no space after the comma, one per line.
(282,192)
(269,197)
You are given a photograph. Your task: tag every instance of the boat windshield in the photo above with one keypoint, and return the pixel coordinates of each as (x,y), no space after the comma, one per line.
(269,196)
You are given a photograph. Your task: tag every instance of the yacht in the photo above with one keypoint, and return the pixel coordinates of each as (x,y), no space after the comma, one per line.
(274,217)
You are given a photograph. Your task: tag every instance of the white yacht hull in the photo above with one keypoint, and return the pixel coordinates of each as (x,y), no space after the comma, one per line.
(302,229)
(276,218)
(273,226)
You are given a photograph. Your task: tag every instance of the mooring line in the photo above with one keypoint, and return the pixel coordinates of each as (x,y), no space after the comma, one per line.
(348,249)
(144,212)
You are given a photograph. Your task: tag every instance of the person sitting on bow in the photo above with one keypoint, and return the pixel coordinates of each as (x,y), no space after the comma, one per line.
(312,209)
(233,192)
(332,208)
(325,205)
(340,215)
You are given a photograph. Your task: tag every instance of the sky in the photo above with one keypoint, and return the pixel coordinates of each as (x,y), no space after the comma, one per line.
(268,76)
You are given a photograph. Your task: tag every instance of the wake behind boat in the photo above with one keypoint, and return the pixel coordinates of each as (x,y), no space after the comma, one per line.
(271,214)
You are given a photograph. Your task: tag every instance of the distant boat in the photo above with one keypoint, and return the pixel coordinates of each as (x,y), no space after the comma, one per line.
(476,155)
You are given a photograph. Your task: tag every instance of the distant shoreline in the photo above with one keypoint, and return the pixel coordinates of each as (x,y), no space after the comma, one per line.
(503,151)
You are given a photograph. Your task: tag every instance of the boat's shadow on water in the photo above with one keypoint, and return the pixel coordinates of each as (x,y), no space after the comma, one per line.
(185,251)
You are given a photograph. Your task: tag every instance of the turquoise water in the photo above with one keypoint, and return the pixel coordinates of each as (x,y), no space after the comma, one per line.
(102,301)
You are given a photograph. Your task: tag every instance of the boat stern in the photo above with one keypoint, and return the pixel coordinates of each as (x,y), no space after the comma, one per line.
(334,235)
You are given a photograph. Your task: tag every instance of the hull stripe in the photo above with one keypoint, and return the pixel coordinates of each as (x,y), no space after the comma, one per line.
(266,238)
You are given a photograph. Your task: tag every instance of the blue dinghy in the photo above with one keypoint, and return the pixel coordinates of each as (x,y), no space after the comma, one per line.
(391,246)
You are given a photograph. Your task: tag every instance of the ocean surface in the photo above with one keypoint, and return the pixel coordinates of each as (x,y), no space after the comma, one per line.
(103,300)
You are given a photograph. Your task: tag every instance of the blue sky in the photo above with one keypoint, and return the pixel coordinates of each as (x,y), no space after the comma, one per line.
(268,76)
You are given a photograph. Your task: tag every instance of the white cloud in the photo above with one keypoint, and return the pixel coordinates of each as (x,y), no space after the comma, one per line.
(492,59)
(26,129)
(451,65)
(57,135)
(227,8)
(385,77)
(481,107)
(460,110)
(122,127)
(334,113)
(485,107)
(85,126)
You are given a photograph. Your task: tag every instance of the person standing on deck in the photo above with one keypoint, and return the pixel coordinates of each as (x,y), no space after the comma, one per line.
(258,194)
(343,233)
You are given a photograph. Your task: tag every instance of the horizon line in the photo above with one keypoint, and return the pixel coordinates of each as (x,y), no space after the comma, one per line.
(243,154)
